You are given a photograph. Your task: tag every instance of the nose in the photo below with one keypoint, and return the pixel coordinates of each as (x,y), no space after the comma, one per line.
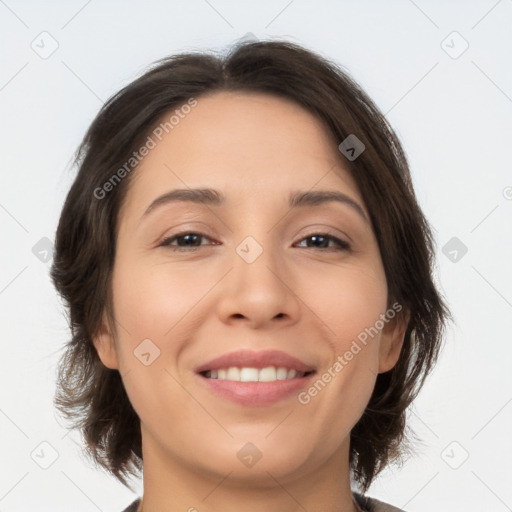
(260,292)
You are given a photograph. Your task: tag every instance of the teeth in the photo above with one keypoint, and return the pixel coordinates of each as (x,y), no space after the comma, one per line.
(281,373)
(249,375)
(233,373)
(268,374)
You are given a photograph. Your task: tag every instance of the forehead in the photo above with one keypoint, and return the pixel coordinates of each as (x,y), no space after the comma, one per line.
(252,146)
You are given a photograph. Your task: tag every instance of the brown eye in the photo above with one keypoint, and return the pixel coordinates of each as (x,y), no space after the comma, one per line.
(321,239)
(185,241)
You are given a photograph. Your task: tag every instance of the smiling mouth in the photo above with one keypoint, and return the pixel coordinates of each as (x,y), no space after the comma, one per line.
(249,374)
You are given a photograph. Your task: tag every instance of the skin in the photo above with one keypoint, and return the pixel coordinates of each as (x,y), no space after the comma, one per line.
(307,301)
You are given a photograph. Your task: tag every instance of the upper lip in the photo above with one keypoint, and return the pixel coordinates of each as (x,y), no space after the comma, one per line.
(255,359)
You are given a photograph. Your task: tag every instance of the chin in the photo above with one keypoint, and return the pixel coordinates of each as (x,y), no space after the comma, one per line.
(261,460)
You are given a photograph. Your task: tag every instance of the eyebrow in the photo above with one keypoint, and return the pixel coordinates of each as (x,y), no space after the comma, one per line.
(209,196)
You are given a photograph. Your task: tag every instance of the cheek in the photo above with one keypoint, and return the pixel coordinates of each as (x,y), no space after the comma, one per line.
(152,300)
(151,305)
(350,301)
(158,308)
(351,307)
(349,304)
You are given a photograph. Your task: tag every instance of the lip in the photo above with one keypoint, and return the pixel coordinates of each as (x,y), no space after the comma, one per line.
(256,359)
(256,393)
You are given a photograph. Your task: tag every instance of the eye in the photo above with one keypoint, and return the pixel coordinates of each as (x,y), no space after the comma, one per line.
(321,239)
(191,241)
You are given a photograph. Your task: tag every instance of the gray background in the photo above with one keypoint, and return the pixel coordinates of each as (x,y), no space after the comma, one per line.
(450,105)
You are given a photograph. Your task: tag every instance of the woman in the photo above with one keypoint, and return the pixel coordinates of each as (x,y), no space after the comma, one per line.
(249,281)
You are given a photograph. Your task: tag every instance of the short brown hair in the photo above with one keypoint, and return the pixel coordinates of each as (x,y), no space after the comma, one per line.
(93,395)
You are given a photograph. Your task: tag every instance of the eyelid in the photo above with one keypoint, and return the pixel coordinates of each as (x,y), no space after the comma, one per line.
(185,228)
(327,230)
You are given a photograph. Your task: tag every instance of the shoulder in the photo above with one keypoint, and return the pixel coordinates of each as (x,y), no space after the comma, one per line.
(373,505)
(133,506)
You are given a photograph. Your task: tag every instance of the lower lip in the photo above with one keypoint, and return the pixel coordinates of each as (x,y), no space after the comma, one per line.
(257,393)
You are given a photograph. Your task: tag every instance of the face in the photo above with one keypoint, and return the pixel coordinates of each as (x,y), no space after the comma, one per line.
(282,293)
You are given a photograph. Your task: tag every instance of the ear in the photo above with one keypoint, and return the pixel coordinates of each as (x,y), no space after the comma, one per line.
(392,340)
(103,341)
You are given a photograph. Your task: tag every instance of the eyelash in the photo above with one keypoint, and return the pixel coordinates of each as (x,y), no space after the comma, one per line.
(342,245)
